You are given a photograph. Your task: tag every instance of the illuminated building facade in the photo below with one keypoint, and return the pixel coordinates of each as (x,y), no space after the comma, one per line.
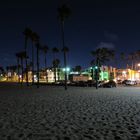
(127,74)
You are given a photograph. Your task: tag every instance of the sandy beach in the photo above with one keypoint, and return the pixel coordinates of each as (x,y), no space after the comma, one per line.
(80,113)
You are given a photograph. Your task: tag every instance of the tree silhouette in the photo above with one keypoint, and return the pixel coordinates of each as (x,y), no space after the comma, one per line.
(78,68)
(18,65)
(54,50)
(27,33)
(45,50)
(56,63)
(101,55)
(131,58)
(34,38)
(22,55)
(1,69)
(63,13)
(65,50)
(38,46)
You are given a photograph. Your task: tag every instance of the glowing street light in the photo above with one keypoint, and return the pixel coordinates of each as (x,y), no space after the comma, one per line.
(67,69)
(96,67)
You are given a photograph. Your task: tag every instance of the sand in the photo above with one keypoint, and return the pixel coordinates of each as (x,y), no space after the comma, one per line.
(80,113)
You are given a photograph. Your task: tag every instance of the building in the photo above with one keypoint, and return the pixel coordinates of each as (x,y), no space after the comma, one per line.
(127,74)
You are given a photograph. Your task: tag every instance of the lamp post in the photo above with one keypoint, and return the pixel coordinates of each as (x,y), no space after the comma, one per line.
(66,70)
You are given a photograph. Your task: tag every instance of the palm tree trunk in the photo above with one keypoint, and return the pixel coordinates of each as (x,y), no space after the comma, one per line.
(26,62)
(46,68)
(27,83)
(92,74)
(54,66)
(58,72)
(7,74)
(37,66)
(97,72)
(65,62)
(18,70)
(55,74)
(22,70)
(32,63)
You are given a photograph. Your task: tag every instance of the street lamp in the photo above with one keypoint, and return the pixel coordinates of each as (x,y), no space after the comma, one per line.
(66,70)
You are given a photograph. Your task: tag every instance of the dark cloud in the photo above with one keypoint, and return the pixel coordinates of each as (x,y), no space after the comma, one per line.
(110,36)
(106,45)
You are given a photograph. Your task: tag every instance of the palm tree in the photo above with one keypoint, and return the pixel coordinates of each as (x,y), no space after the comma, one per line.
(18,65)
(34,38)
(14,68)
(27,33)
(54,50)
(22,56)
(10,70)
(2,71)
(78,68)
(132,57)
(38,46)
(64,13)
(65,50)
(45,50)
(123,58)
(101,55)
(7,69)
(56,63)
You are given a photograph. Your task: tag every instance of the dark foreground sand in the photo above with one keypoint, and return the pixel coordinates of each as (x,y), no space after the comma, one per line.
(50,113)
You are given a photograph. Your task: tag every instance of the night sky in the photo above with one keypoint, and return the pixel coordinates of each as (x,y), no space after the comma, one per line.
(92,23)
